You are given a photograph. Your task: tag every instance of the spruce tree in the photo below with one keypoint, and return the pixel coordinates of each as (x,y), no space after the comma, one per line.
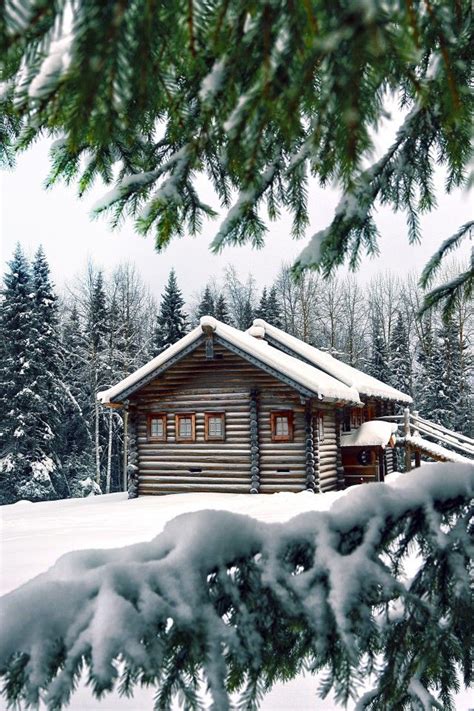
(98,371)
(379,366)
(399,357)
(75,435)
(261,310)
(431,394)
(222,310)
(206,305)
(247,315)
(274,309)
(27,449)
(172,321)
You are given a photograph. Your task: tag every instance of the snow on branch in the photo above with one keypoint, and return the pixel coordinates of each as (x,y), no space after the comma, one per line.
(221,603)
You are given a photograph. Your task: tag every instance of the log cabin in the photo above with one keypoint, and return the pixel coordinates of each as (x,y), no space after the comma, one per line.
(260,411)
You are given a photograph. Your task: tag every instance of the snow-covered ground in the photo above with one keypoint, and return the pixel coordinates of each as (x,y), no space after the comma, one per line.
(34,536)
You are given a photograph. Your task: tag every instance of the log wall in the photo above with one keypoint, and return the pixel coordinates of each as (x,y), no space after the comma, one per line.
(328,452)
(227,383)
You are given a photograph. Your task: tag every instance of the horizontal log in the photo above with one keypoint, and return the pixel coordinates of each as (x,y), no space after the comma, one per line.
(194,487)
(170,479)
(241,462)
(223,474)
(182,449)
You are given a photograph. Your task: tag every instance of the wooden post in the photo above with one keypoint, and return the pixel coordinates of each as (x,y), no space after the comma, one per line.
(407,430)
(125,447)
(406,421)
(132,467)
(339,467)
(416,432)
(311,483)
(254,444)
(417,458)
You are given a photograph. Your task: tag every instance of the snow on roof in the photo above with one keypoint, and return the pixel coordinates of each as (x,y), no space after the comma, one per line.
(436,450)
(376,433)
(363,383)
(320,383)
(110,395)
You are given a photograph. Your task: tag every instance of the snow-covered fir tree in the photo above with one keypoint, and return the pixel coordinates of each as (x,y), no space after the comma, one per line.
(431,389)
(378,364)
(28,378)
(273,308)
(99,373)
(172,321)
(269,307)
(206,305)
(75,431)
(221,310)
(399,357)
(261,310)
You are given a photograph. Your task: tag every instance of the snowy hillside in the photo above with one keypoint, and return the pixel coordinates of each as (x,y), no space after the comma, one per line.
(35,535)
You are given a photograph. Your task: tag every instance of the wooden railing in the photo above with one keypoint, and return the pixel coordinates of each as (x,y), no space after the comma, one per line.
(413,426)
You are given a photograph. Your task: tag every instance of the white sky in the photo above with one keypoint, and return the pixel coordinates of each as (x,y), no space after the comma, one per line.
(61,222)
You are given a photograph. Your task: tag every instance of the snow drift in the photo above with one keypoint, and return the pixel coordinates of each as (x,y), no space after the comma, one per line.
(240,603)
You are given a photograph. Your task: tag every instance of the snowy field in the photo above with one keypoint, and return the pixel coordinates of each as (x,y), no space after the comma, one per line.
(34,536)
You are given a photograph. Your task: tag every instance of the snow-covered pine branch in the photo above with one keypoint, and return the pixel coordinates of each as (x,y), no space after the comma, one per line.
(308,83)
(222,602)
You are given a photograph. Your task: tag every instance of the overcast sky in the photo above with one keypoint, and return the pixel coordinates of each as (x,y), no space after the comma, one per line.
(61,222)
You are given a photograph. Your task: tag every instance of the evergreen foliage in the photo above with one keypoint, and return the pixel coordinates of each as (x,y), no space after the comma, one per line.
(222,310)
(206,306)
(273,309)
(379,366)
(29,401)
(258,97)
(172,321)
(261,311)
(399,357)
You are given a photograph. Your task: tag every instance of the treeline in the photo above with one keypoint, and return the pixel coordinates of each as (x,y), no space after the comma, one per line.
(58,350)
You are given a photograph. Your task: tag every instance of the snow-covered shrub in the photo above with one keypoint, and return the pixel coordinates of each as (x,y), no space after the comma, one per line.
(78,470)
(223,602)
(22,478)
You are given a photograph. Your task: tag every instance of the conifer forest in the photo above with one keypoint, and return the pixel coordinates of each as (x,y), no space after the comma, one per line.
(60,348)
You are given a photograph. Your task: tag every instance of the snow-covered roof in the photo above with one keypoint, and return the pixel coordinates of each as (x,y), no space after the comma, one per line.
(376,433)
(436,450)
(319,383)
(363,383)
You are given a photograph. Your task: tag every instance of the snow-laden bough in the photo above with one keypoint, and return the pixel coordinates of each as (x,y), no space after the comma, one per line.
(224,604)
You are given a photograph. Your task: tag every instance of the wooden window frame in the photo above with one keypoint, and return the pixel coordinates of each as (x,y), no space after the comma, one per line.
(289,414)
(155,416)
(187,415)
(212,438)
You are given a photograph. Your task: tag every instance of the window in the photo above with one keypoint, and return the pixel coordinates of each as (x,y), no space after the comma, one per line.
(185,428)
(157,427)
(357,418)
(282,426)
(214,426)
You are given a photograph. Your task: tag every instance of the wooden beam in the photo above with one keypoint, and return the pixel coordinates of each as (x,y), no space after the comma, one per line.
(311,482)
(254,444)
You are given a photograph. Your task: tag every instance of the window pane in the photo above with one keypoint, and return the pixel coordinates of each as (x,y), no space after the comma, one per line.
(215,427)
(157,429)
(185,427)
(282,428)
